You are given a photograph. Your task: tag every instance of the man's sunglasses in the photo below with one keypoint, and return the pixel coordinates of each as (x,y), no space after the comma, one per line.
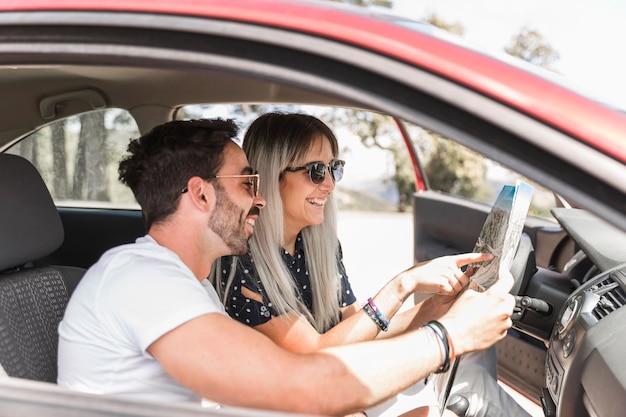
(254,182)
(317,170)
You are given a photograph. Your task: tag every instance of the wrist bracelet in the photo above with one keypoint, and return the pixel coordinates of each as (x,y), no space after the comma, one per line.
(372,315)
(442,348)
(379,314)
(444,337)
(445,333)
(375,315)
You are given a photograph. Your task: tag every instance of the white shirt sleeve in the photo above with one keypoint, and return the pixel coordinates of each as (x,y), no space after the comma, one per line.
(131,297)
(150,299)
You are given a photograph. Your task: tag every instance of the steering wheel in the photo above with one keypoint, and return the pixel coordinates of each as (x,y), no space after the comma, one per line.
(523,266)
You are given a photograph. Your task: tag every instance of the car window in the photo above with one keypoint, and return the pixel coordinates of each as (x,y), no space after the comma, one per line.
(369,142)
(379,174)
(78,158)
(456,170)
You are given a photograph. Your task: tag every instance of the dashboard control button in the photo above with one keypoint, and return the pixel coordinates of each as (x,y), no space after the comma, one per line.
(569,342)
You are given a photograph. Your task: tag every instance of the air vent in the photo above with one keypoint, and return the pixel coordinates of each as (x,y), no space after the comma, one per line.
(611,295)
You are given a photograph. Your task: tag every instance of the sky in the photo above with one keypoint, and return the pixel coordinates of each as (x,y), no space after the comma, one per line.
(587,34)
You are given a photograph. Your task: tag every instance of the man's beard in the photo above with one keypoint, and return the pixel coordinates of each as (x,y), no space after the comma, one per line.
(228,222)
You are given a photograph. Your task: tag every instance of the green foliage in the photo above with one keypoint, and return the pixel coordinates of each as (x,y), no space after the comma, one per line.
(437,21)
(404,178)
(77,157)
(456,170)
(380,131)
(531,46)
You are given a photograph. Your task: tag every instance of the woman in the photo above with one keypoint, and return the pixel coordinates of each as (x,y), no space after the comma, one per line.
(293,286)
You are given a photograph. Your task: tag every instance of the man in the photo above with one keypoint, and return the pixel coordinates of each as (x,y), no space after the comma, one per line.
(145,323)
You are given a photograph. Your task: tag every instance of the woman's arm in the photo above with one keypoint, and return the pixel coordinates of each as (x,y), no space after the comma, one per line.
(293,332)
(440,276)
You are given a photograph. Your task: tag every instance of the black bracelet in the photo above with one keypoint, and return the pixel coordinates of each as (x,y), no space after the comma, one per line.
(379,314)
(442,334)
(375,318)
(440,345)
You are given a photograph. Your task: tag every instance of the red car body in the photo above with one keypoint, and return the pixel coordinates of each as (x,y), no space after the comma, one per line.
(573,144)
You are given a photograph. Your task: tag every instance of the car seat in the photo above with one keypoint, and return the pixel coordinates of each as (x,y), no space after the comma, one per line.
(33,297)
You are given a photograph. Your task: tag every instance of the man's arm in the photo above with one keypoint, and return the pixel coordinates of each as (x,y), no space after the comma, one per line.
(230,363)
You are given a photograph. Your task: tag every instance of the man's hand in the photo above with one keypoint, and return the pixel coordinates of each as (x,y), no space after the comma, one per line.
(477,320)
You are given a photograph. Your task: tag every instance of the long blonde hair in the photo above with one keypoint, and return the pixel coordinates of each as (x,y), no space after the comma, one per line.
(271,143)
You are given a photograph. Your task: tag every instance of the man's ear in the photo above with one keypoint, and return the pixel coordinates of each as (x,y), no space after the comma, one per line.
(200,191)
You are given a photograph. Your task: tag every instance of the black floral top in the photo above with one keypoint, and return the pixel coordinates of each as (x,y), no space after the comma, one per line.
(252,312)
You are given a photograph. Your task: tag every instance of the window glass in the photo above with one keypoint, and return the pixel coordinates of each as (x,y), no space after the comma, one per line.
(78,158)
(369,142)
(379,174)
(454,169)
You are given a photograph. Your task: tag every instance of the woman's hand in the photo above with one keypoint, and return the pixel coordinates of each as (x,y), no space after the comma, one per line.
(442,276)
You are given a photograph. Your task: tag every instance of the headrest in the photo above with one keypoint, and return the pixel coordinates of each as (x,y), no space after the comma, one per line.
(30,226)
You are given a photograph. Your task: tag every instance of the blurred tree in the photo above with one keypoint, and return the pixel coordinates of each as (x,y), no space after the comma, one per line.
(91,159)
(437,21)
(122,120)
(59,160)
(531,46)
(28,148)
(455,169)
(379,131)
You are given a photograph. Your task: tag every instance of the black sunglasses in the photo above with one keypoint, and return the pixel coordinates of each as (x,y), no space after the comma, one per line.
(317,170)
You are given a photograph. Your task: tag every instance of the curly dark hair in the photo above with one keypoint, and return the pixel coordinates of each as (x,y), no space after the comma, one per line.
(162,161)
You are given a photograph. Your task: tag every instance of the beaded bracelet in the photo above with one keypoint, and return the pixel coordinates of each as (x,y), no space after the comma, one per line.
(379,314)
(444,337)
(375,314)
(372,315)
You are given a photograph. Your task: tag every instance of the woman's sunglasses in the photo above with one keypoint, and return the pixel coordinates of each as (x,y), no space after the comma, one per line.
(317,170)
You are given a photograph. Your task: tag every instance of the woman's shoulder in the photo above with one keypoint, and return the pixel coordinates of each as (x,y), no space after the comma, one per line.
(241,268)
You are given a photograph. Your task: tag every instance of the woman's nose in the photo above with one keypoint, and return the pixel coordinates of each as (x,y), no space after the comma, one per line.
(329,182)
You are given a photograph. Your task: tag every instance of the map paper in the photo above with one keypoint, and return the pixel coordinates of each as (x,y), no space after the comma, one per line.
(500,236)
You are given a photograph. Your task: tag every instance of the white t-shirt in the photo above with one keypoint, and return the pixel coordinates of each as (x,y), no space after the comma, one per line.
(132,296)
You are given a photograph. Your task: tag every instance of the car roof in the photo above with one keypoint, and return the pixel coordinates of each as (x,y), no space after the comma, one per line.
(403,40)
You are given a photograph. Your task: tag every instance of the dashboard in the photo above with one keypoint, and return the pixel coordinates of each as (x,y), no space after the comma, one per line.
(586,359)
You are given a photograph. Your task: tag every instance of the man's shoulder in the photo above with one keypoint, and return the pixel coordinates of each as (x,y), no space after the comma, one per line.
(133,263)
(144,248)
